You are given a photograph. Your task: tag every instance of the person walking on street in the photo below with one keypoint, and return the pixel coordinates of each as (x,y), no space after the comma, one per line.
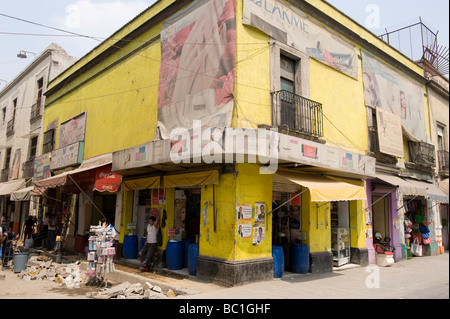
(149,249)
(51,232)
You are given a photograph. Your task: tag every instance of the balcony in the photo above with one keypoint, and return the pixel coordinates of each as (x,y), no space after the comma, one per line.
(10,128)
(443,163)
(28,169)
(35,112)
(297,114)
(422,156)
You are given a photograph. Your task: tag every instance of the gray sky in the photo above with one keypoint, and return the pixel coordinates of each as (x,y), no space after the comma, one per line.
(101,18)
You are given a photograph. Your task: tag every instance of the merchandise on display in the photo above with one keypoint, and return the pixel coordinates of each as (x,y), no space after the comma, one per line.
(101,251)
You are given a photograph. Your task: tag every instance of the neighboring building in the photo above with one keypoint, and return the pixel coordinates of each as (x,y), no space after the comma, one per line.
(438,99)
(283,124)
(22,107)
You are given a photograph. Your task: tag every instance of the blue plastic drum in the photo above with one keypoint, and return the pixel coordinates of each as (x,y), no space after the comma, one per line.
(300,258)
(186,243)
(278,261)
(192,259)
(130,246)
(174,255)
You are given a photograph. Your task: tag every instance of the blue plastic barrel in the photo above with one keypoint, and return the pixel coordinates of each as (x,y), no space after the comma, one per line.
(174,255)
(300,258)
(192,259)
(186,243)
(142,243)
(130,246)
(278,261)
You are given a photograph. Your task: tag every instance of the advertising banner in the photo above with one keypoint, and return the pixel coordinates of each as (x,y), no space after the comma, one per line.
(388,89)
(197,73)
(389,133)
(290,26)
(72,131)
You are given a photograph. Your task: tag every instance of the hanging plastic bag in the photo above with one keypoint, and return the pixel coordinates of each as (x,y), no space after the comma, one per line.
(426,241)
(416,248)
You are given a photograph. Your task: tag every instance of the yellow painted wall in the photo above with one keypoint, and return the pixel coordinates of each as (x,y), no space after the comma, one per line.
(244,186)
(120,105)
(345,124)
(252,88)
(357,224)
(316,223)
(127,213)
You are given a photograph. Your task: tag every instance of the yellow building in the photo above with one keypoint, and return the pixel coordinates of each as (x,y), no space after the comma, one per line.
(241,123)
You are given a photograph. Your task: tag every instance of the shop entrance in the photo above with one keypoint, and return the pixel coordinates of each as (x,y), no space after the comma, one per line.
(187,214)
(380,218)
(107,205)
(340,232)
(286,223)
(444,223)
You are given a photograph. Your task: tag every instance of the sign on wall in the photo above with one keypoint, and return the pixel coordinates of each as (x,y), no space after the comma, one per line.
(42,167)
(388,89)
(290,26)
(389,133)
(197,72)
(72,131)
(67,156)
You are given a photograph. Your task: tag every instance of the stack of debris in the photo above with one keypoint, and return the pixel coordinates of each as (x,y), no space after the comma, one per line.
(68,275)
(127,290)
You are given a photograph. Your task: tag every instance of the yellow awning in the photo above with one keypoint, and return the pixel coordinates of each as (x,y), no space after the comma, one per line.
(192,179)
(142,183)
(324,189)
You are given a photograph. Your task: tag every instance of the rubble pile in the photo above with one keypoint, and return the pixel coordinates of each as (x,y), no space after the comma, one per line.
(71,276)
(67,275)
(127,290)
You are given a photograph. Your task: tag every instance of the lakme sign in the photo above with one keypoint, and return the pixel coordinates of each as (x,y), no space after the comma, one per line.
(290,26)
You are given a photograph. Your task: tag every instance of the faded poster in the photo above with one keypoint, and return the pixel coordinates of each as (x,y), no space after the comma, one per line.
(290,26)
(197,72)
(388,89)
(72,131)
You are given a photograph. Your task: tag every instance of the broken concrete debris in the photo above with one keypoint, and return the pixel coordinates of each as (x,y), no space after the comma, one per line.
(71,276)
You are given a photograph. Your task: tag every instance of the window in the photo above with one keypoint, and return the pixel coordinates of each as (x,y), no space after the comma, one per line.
(441,140)
(49,141)
(33,148)
(40,86)
(7,158)
(4,115)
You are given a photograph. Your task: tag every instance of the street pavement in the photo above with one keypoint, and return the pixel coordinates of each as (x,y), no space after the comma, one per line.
(418,278)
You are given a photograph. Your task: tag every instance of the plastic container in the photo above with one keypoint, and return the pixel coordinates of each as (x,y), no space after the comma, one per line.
(174,255)
(130,246)
(192,259)
(278,261)
(20,262)
(300,258)
(186,244)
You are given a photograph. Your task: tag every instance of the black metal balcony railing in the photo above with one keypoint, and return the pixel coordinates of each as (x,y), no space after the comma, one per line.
(28,169)
(35,112)
(296,113)
(422,153)
(10,127)
(443,161)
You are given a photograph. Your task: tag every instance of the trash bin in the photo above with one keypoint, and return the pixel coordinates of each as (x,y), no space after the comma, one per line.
(20,261)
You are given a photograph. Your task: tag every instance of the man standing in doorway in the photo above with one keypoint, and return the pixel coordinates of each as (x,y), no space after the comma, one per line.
(149,249)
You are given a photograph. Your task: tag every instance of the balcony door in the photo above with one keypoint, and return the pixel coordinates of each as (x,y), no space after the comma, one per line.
(287,82)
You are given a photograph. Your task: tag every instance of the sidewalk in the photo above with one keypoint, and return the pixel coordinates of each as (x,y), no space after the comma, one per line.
(420,277)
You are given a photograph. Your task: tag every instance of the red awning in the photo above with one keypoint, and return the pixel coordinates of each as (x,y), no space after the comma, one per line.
(105,180)
(94,173)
